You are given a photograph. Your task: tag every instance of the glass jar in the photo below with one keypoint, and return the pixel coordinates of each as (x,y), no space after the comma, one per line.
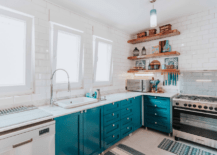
(136,52)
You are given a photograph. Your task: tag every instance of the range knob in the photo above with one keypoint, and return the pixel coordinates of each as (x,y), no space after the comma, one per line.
(194,106)
(215,109)
(200,106)
(210,108)
(189,105)
(177,103)
(185,105)
(205,107)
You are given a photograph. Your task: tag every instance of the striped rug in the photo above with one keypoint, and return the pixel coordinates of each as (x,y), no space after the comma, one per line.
(123,150)
(181,148)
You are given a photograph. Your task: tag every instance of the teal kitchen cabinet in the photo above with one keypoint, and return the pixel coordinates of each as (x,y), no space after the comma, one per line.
(158,113)
(137,112)
(80,133)
(68,138)
(93,131)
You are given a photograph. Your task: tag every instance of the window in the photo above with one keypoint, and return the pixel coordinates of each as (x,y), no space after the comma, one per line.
(67,54)
(15,52)
(102,61)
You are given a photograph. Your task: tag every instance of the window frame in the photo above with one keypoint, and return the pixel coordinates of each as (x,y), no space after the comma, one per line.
(95,49)
(54,37)
(29,54)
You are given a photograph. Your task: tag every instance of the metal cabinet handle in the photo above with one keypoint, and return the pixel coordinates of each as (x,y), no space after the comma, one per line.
(155,97)
(155,113)
(113,136)
(23,143)
(127,108)
(113,103)
(128,128)
(128,118)
(113,124)
(113,114)
(155,122)
(155,105)
(85,111)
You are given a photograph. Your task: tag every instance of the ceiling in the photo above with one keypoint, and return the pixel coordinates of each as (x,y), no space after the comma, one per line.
(133,16)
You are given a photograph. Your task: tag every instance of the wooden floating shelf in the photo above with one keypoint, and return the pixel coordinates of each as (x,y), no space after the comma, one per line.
(169,33)
(173,53)
(162,71)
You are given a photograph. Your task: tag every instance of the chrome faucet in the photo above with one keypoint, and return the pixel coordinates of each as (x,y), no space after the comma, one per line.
(51,97)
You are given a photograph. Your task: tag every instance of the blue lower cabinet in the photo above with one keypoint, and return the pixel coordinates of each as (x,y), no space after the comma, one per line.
(93,131)
(125,121)
(112,139)
(137,112)
(80,133)
(68,137)
(157,113)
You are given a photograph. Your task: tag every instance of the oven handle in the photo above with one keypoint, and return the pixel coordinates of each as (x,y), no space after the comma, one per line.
(196,111)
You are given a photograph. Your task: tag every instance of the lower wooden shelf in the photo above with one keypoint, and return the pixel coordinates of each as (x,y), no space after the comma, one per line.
(162,71)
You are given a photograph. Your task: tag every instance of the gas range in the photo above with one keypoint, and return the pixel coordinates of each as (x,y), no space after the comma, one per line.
(195,119)
(196,102)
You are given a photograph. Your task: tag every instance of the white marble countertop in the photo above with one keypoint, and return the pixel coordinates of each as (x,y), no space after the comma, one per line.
(58,111)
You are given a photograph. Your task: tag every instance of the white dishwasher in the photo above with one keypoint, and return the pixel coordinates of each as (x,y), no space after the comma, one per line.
(35,139)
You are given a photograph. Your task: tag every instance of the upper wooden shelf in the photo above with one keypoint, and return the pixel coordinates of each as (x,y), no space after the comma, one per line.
(173,53)
(162,71)
(169,33)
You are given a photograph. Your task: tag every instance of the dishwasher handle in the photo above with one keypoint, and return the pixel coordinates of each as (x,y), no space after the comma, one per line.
(23,143)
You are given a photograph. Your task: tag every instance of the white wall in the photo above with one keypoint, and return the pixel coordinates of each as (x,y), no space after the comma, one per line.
(197,42)
(40,10)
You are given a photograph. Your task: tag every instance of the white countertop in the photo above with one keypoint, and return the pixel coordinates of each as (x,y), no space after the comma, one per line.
(58,111)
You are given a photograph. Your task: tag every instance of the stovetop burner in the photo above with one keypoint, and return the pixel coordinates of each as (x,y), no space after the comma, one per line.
(197,98)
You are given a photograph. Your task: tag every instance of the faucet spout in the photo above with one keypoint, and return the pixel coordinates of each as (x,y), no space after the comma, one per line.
(69,88)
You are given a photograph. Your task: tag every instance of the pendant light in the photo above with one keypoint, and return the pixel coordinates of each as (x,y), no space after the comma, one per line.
(153,16)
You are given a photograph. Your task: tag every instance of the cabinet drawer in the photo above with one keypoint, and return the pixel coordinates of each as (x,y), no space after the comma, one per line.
(125,121)
(127,103)
(112,139)
(127,130)
(112,117)
(126,111)
(158,119)
(158,126)
(111,107)
(111,129)
(157,112)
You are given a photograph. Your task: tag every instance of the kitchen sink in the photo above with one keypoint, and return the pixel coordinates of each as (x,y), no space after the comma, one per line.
(75,102)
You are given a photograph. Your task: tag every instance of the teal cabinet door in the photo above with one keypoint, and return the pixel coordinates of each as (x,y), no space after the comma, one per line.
(93,131)
(137,112)
(68,134)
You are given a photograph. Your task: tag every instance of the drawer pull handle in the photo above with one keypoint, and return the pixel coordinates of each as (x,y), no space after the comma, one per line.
(113,124)
(113,114)
(155,105)
(127,108)
(155,97)
(128,128)
(128,118)
(23,143)
(155,122)
(113,103)
(113,136)
(155,113)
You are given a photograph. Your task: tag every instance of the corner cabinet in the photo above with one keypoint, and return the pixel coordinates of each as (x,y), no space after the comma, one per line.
(158,113)
(80,133)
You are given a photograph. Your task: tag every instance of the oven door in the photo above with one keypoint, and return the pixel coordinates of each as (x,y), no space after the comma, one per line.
(197,122)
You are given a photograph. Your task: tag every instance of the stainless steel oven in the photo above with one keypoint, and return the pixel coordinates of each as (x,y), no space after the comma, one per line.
(195,125)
